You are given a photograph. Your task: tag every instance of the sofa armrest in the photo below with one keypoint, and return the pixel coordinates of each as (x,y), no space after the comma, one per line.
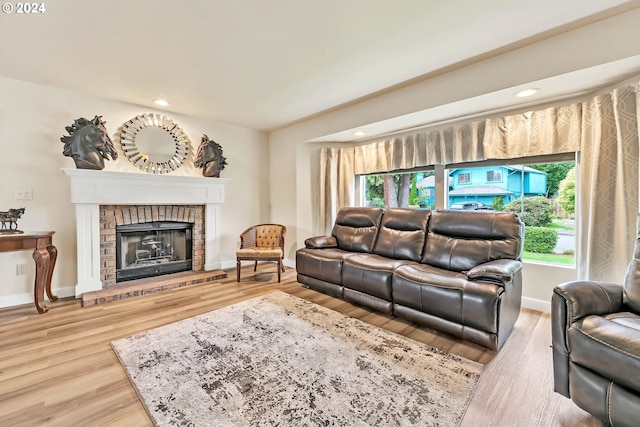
(570,302)
(321,242)
(582,298)
(499,271)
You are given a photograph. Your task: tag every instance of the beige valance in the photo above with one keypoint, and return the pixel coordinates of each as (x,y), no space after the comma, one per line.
(534,133)
(455,144)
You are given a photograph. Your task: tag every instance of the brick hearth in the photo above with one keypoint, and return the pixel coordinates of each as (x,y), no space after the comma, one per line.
(151,285)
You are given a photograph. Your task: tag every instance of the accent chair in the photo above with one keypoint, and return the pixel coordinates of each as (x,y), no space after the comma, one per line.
(596,345)
(262,242)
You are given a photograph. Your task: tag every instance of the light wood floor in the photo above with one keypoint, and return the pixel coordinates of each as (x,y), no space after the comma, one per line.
(58,368)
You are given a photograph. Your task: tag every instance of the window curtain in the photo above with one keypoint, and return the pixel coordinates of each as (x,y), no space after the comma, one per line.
(337,183)
(608,199)
(603,129)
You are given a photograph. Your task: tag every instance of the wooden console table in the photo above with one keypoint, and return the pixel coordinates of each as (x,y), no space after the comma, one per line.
(44,255)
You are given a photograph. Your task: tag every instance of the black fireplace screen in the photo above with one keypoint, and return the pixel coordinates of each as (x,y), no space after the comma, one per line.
(152,249)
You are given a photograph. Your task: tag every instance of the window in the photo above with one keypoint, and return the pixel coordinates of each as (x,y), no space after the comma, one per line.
(494,176)
(405,190)
(430,193)
(542,192)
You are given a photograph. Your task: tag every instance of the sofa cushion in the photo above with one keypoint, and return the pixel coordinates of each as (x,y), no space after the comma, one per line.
(402,233)
(356,229)
(322,264)
(370,274)
(447,294)
(608,345)
(458,241)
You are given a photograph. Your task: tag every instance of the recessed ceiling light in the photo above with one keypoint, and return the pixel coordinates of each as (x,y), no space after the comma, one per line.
(359,133)
(527,92)
(161,102)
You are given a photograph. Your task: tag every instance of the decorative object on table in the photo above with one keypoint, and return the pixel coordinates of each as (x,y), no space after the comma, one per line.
(210,158)
(88,143)
(154,143)
(282,360)
(11,216)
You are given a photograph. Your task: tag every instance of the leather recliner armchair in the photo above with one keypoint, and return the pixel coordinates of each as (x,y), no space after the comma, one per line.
(596,345)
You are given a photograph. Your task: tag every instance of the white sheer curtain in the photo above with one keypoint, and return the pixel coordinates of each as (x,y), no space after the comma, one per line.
(603,129)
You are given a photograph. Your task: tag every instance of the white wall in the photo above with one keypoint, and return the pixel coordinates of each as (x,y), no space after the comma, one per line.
(538,281)
(32,120)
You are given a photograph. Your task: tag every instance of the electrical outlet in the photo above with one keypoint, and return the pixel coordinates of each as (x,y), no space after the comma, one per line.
(23,194)
(21,269)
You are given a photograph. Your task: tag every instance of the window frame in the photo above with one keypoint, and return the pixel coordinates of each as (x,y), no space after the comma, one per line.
(493,173)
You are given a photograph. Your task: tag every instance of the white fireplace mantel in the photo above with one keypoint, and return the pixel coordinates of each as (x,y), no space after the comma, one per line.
(92,188)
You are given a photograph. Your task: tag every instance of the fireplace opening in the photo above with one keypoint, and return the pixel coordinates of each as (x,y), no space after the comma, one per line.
(153,249)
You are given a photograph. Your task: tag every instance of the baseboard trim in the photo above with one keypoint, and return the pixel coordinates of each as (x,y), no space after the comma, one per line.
(27,298)
(536,304)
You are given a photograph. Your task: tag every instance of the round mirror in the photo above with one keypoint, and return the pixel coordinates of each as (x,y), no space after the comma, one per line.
(154,143)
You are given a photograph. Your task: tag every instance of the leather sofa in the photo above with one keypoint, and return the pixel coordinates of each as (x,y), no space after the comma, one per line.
(455,271)
(596,345)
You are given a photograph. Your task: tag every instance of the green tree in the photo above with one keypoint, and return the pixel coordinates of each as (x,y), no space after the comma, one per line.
(498,203)
(567,192)
(537,212)
(393,189)
(373,187)
(413,192)
(555,173)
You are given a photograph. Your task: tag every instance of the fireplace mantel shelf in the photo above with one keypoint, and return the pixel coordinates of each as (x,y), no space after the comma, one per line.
(109,187)
(91,188)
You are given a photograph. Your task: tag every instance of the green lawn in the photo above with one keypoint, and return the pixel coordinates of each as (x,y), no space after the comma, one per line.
(562,224)
(552,258)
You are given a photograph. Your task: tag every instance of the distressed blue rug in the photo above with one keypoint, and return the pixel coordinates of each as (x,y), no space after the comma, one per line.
(281,360)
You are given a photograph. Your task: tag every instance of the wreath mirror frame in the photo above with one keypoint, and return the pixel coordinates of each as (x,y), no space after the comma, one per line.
(141,160)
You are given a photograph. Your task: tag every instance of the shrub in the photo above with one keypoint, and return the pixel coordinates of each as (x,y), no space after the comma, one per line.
(498,203)
(537,210)
(567,192)
(540,240)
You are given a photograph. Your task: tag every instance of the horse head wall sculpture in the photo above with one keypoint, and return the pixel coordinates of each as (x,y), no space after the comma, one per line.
(209,157)
(88,143)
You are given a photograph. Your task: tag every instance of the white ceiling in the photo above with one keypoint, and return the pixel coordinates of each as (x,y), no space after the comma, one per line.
(265,64)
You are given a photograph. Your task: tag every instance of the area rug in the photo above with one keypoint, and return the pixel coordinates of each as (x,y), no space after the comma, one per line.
(278,360)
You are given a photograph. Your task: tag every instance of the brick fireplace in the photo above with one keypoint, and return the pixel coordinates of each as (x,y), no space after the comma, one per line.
(112,216)
(104,198)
